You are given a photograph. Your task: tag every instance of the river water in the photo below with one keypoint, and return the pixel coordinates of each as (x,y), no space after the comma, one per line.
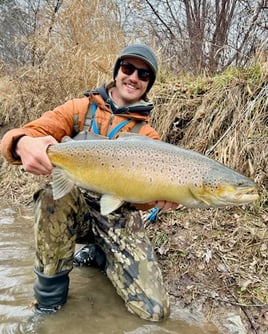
(93,306)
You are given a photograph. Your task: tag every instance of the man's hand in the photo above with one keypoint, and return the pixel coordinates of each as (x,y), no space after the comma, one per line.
(166,205)
(33,154)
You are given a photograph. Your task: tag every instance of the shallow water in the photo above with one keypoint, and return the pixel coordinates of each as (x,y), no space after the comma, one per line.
(93,306)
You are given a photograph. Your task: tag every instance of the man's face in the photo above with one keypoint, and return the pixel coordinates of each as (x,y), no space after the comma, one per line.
(129,87)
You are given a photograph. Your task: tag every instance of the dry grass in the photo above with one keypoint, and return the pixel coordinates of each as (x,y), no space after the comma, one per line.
(66,59)
(224,117)
(218,258)
(18,187)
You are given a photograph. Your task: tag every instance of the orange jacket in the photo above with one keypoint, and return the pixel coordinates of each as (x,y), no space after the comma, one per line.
(60,122)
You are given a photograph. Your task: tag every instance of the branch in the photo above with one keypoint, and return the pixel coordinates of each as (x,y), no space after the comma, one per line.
(160,19)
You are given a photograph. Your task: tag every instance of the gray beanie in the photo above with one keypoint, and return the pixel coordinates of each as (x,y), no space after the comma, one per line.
(143,52)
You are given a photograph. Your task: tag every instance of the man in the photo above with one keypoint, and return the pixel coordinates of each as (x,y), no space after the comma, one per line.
(121,246)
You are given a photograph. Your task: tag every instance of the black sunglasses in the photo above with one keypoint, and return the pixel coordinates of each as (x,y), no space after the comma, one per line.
(128,69)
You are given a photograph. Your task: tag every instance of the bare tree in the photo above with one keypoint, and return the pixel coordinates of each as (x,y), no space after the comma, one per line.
(191,35)
(13,24)
(203,35)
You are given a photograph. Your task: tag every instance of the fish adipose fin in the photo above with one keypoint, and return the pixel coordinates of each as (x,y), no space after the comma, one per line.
(109,203)
(61,184)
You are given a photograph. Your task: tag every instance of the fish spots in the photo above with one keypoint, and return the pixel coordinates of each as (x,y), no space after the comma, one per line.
(210,187)
(156,169)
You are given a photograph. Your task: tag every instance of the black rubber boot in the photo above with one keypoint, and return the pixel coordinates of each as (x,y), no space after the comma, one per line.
(50,291)
(90,255)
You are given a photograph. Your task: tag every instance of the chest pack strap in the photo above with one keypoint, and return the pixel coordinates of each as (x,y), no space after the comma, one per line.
(90,122)
(116,129)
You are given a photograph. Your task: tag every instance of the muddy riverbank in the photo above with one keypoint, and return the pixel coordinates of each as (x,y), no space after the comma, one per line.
(93,306)
(214,262)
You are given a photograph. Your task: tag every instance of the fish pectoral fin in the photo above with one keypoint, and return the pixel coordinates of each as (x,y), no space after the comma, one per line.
(109,203)
(61,184)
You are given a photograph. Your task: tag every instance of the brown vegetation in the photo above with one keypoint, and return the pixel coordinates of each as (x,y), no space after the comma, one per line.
(213,259)
(224,117)
(217,257)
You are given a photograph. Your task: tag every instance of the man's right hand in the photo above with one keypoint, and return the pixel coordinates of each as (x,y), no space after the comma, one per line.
(33,154)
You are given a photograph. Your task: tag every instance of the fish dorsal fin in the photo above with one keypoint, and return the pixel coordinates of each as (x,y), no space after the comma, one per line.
(109,203)
(130,135)
(66,139)
(61,184)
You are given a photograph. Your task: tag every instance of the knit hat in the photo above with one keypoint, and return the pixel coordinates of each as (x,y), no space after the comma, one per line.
(143,52)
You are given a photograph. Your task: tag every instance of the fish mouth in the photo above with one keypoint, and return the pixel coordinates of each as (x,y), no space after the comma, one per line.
(246,195)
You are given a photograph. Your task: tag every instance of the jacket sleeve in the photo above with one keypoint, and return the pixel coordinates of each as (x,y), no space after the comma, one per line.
(148,131)
(57,123)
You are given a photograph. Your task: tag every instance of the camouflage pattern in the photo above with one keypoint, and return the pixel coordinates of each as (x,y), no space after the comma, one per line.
(130,261)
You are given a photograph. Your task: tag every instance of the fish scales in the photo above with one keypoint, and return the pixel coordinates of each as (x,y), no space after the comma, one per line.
(158,169)
(140,170)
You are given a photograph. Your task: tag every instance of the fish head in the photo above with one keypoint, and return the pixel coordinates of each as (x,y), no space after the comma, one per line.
(226,194)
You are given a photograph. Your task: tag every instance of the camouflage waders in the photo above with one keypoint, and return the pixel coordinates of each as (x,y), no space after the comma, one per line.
(130,261)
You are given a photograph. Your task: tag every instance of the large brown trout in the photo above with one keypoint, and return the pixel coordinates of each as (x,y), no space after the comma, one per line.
(137,169)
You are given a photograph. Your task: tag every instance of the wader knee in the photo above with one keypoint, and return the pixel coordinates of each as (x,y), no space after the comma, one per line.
(51,291)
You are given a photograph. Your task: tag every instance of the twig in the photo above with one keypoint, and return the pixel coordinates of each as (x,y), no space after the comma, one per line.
(244,311)
(239,304)
(250,106)
(234,297)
